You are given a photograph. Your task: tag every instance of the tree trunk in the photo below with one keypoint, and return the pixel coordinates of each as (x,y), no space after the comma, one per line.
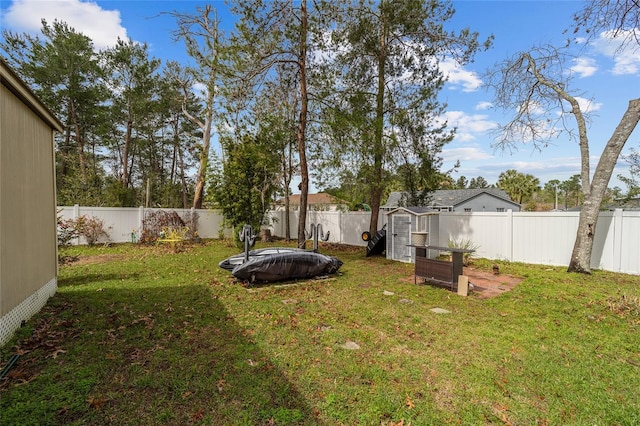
(125,155)
(79,142)
(287,171)
(198,195)
(378,147)
(183,180)
(581,256)
(302,127)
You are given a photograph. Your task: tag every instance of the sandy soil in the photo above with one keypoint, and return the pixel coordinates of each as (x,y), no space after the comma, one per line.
(486,284)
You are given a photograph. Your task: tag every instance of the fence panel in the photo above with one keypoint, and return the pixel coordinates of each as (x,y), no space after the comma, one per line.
(544,238)
(629,254)
(541,238)
(491,232)
(353,225)
(330,221)
(121,222)
(210,224)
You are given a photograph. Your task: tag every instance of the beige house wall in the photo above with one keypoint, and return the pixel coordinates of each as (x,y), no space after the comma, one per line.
(27,203)
(28,246)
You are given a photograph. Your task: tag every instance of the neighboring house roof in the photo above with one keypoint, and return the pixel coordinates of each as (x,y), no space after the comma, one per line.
(450,197)
(320,198)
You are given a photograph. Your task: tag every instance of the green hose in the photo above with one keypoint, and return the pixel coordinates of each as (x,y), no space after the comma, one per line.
(11,363)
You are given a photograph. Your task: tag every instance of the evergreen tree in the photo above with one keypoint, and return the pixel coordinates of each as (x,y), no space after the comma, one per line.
(385,81)
(64,71)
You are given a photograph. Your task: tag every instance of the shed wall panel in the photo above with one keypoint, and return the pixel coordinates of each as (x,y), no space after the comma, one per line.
(28,257)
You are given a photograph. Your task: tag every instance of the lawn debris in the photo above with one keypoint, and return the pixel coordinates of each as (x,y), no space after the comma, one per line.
(624,305)
(350,345)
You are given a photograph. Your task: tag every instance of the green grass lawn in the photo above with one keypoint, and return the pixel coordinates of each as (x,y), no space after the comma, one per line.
(143,336)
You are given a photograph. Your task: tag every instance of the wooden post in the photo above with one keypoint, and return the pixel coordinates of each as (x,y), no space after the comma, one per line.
(463,285)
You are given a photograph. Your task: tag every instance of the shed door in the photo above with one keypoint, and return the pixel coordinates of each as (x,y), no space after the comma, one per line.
(400,237)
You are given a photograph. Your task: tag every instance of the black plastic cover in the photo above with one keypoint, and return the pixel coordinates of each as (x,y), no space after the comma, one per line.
(235,260)
(286,266)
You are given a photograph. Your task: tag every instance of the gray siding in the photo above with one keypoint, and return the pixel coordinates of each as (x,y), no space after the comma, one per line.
(486,203)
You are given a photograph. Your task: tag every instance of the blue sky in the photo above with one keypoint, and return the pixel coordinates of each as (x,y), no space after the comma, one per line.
(608,81)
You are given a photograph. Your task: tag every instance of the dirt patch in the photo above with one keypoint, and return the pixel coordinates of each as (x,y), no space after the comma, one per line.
(91,260)
(485,283)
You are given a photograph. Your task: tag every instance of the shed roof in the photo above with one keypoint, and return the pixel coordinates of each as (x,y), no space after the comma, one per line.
(18,87)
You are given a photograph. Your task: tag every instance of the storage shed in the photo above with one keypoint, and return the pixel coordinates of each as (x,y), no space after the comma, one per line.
(28,242)
(407,226)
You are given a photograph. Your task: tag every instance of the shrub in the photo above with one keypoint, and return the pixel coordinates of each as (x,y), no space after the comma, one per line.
(466,244)
(67,230)
(159,222)
(92,229)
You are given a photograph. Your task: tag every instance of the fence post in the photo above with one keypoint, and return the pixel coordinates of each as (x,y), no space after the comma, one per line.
(76,215)
(140,220)
(617,240)
(510,233)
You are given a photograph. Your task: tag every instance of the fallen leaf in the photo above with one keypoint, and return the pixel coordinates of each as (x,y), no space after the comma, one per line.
(57,352)
(96,402)
(410,403)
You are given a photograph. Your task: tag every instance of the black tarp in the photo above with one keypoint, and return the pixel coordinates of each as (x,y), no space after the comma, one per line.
(286,266)
(237,259)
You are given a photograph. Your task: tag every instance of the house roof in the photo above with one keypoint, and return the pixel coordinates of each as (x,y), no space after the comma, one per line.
(319,198)
(451,197)
(19,88)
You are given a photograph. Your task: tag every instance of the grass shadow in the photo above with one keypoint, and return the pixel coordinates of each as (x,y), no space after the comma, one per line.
(90,278)
(165,355)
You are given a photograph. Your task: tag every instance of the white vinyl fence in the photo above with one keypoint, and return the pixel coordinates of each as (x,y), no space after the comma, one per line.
(541,238)
(547,238)
(121,222)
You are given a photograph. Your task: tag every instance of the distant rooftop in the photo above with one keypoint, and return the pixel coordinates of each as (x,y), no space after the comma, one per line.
(319,198)
(448,197)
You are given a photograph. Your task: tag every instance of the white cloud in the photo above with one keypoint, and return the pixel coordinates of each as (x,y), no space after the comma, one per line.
(457,76)
(102,26)
(626,58)
(584,67)
(468,125)
(484,105)
(464,154)
(587,105)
